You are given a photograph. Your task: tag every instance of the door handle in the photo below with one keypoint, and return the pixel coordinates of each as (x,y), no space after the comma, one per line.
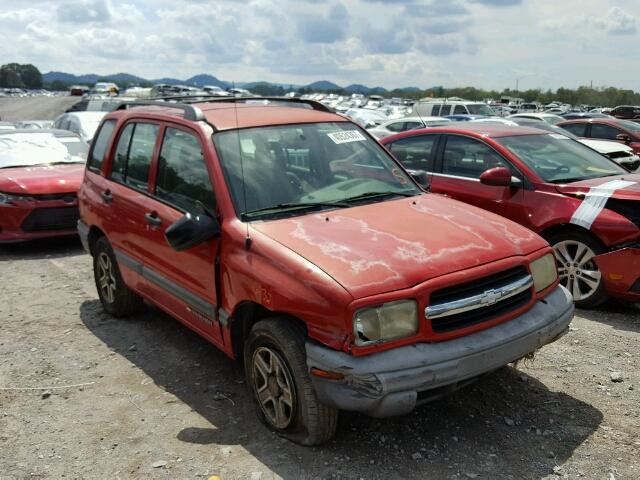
(152,218)
(106,196)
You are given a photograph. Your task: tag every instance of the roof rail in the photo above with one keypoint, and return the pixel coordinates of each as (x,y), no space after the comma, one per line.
(190,112)
(187,99)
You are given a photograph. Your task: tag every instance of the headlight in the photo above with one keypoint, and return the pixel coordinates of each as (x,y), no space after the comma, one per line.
(386,322)
(544,271)
(8,198)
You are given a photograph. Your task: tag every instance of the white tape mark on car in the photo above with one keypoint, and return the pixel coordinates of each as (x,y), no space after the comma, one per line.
(594,201)
(346,136)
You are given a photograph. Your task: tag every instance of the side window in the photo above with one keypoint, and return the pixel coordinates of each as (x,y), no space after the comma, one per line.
(119,165)
(100,144)
(396,127)
(435,109)
(415,153)
(459,110)
(412,125)
(578,129)
(467,157)
(134,152)
(183,179)
(605,132)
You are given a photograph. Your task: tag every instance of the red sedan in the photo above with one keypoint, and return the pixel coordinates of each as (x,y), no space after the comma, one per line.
(40,174)
(623,131)
(584,204)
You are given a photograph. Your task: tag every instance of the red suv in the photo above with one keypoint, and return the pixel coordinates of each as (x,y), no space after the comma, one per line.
(583,203)
(289,238)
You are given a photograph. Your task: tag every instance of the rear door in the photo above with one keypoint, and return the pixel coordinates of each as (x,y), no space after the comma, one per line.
(461,162)
(182,186)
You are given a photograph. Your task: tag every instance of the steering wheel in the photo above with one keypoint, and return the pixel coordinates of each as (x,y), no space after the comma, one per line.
(294,181)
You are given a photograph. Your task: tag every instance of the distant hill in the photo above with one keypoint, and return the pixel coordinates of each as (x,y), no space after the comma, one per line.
(323,85)
(207,79)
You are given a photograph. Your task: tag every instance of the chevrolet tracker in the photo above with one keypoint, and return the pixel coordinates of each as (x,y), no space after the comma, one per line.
(289,238)
(583,203)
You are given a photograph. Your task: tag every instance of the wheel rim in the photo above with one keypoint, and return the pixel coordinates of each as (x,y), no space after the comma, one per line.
(576,268)
(106,278)
(274,387)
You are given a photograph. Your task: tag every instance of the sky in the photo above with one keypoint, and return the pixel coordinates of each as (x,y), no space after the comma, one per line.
(388,43)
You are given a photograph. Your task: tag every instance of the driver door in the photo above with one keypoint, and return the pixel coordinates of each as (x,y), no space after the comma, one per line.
(185,280)
(461,163)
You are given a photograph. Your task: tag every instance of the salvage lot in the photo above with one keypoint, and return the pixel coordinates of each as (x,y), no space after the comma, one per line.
(156,401)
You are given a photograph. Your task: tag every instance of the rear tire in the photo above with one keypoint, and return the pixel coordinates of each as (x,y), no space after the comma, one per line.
(578,272)
(277,374)
(117,299)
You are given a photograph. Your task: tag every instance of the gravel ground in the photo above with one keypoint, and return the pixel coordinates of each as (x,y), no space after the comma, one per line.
(34,108)
(84,395)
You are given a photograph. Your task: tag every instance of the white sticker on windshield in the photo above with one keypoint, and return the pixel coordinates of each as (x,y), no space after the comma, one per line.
(346,136)
(559,136)
(595,200)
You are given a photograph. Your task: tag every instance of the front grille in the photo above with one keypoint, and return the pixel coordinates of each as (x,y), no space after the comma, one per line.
(45,219)
(65,197)
(443,322)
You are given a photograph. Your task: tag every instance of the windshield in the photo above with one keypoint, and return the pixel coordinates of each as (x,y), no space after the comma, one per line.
(311,164)
(28,149)
(480,109)
(558,159)
(629,125)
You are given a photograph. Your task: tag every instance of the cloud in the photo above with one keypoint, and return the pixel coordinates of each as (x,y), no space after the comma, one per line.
(497,3)
(328,29)
(84,11)
(618,22)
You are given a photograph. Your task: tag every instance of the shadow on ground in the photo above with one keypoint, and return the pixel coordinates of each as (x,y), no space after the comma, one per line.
(508,425)
(619,315)
(42,248)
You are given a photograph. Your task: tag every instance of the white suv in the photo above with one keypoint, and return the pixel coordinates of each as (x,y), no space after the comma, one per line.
(443,106)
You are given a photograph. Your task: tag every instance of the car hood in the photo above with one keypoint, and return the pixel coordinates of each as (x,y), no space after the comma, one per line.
(630,190)
(42,180)
(392,245)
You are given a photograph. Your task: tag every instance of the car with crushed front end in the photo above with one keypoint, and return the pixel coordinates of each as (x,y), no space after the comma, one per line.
(285,235)
(582,202)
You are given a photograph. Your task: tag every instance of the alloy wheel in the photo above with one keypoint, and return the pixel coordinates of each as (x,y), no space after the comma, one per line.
(576,268)
(274,387)
(106,278)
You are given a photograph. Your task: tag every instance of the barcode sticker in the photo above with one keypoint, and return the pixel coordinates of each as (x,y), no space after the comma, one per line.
(346,136)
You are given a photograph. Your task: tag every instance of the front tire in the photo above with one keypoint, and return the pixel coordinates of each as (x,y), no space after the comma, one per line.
(578,272)
(277,374)
(116,298)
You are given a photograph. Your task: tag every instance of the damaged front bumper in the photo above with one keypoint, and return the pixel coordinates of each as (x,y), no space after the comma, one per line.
(621,272)
(393,382)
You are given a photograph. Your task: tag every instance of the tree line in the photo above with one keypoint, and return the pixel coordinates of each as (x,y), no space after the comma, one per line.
(15,75)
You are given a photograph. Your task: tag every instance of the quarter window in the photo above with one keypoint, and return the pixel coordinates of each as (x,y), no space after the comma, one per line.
(183,179)
(415,153)
(100,145)
(396,127)
(466,157)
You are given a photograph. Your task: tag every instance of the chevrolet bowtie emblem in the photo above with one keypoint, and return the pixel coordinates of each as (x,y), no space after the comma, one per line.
(490,297)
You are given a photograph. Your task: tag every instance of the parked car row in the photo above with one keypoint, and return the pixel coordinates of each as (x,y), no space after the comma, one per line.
(290,238)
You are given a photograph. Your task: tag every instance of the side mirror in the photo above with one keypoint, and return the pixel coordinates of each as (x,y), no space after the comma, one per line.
(499,177)
(191,230)
(421,177)
(623,137)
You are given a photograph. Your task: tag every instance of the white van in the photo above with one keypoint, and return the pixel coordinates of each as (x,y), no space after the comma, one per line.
(442,106)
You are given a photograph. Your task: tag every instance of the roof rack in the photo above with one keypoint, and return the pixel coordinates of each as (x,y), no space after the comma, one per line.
(190,112)
(187,99)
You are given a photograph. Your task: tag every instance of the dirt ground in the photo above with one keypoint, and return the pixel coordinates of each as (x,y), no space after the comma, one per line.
(34,108)
(84,395)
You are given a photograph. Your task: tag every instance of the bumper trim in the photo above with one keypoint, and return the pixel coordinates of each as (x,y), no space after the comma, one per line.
(387,383)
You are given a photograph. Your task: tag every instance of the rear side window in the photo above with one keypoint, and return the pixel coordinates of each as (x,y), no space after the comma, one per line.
(415,153)
(396,127)
(605,132)
(183,179)
(578,129)
(134,153)
(100,144)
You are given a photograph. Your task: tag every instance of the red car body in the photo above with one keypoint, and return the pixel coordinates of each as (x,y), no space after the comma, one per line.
(548,208)
(317,269)
(623,131)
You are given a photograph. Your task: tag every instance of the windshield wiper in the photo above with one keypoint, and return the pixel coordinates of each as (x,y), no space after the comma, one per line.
(367,195)
(283,207)
(577,179)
